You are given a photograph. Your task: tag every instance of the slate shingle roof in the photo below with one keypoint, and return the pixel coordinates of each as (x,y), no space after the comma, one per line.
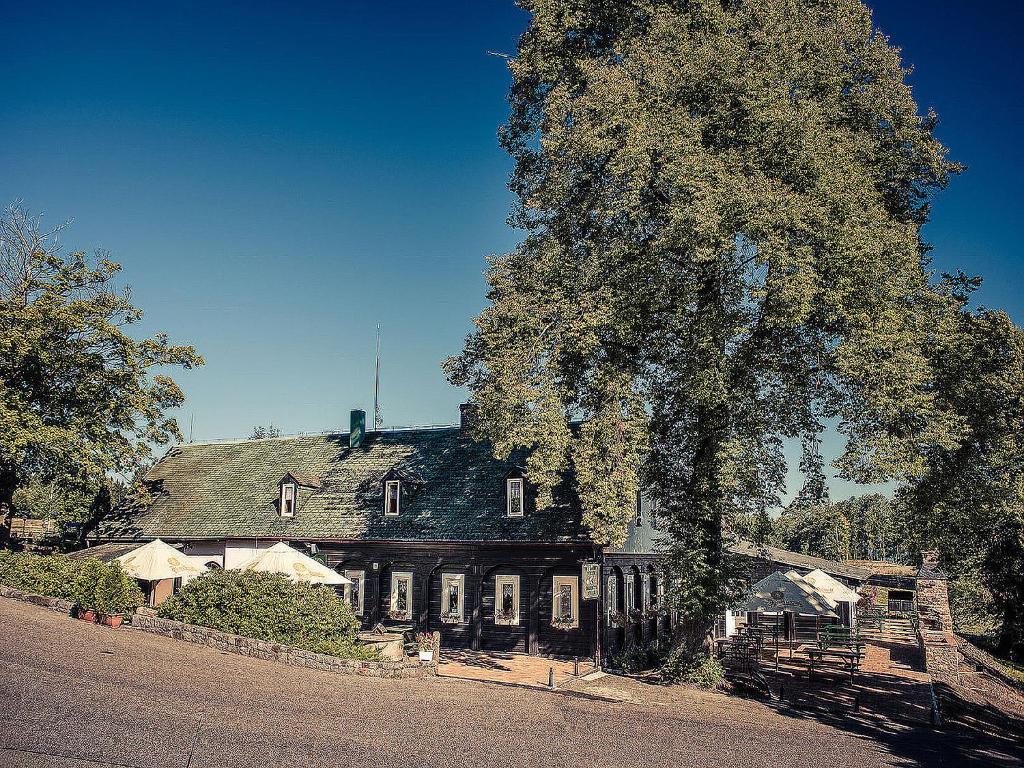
(226,490)
(798,560)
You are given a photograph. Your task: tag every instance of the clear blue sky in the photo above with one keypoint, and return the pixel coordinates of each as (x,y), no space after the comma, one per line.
(277,180)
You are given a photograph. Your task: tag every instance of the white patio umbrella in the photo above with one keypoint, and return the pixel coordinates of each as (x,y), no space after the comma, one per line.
(830,587)
(281,558)
(156,560)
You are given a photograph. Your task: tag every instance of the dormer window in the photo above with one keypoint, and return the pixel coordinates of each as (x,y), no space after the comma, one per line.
(514,497)
(288,489)
(288,492)
(392,497)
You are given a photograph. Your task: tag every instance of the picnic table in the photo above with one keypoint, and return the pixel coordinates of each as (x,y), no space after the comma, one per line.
(840,637)
(849,659)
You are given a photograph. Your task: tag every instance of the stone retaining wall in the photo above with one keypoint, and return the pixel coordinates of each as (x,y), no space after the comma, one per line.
(53,603)
(145,621)
(984,660)
(285,654)
(941,656)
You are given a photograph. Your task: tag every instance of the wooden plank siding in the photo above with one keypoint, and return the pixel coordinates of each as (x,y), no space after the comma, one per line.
(536,566)
(647,631)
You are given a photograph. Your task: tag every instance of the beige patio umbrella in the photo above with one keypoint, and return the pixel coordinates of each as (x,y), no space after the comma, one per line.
(832,588)
(156,561)
(281,558)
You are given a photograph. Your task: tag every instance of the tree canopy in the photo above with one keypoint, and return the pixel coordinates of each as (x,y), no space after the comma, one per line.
(722,206)
(80,399)
(970,501)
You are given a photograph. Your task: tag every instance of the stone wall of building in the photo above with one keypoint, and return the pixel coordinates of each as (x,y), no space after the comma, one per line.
(285,654)
(935,622)
(933,603)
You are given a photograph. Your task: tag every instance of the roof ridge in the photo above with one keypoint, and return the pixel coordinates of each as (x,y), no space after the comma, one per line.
(324,433)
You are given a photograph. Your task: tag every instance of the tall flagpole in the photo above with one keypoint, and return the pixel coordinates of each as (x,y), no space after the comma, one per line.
(378,422)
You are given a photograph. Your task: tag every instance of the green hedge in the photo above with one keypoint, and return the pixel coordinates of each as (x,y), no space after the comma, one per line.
(268,606)
(90,583)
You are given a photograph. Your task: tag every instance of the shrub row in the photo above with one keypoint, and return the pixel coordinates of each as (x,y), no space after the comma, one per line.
(89,583)
(270,607)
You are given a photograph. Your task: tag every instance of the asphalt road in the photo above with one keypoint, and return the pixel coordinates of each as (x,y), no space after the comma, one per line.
(74,695)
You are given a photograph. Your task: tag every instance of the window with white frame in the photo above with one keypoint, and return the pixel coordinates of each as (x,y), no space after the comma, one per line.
(506,600)
(401,596)
(514,497)
(453,594)
(354,591)
(287,499)
(392,497)
(565,602)
(630,595)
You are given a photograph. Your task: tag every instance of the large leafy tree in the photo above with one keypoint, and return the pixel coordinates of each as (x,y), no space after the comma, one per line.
(970,501)
(722,202)
(80,399)
(820,530)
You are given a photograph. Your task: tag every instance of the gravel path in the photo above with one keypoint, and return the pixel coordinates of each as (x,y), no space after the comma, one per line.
(80,695)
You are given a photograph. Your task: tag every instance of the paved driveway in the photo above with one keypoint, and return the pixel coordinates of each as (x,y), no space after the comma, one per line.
(77,695)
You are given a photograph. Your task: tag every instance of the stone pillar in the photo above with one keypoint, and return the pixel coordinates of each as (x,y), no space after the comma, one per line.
(935,621)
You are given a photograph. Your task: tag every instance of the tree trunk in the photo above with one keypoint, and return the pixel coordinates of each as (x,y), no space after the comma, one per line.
(8,485)
(704,499)
(1011,633)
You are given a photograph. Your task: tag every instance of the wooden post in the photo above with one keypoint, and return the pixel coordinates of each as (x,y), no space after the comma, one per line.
(533,621)
(478,614)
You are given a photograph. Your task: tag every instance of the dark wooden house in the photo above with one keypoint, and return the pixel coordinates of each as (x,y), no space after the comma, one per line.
(431,529)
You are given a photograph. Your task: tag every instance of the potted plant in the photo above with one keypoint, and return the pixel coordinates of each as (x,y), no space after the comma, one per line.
(425,644)
(564,623)
(617,619)
(116,594)
(505,615)
(86,614)
(451,618)
(85,587)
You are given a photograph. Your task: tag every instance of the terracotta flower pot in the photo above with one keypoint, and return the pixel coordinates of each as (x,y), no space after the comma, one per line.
(113,621)
(86,614)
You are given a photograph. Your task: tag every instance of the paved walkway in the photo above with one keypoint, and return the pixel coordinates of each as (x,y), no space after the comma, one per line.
(74,695)
(890,683)
(515,668)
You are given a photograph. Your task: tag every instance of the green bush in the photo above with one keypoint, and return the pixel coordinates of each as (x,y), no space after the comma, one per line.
(268,606)
(114,591)
(345,648)
(702,670)
(52,575)
(90,583)
(635,658)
